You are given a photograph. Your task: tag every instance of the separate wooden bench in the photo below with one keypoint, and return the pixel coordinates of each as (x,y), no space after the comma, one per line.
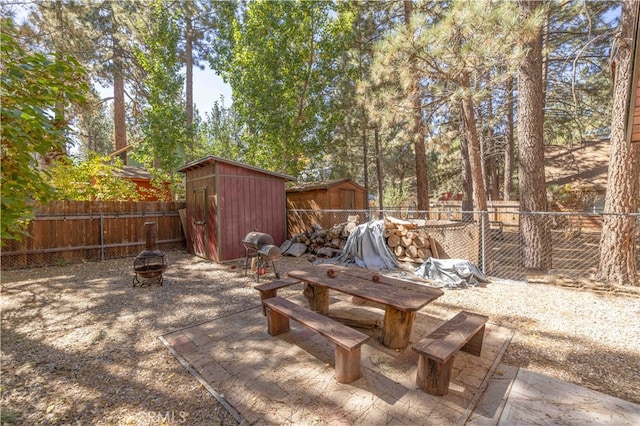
(269,290)
(347,341)
(465,331)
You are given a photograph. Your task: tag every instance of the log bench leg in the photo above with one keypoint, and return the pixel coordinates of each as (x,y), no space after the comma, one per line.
(276,322)
(474,345)
(347,364)
(434,377)
(267,295)
(396,329)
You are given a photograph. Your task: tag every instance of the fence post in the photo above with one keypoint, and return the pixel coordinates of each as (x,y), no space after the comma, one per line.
(483,251)
(101,237)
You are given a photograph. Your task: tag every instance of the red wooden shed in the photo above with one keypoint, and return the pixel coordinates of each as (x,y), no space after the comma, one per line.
(226,200)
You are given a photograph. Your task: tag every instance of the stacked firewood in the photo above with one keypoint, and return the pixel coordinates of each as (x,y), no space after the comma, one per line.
(408,242)
(322,242)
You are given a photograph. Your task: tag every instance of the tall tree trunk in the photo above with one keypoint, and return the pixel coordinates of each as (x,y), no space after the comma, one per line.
(119,118)
(471,133)
(509,158)
(490,155)
(365,159)
(474,153)
(58,152)
(618,252)
(417,129)
(189,68)
(482,138)
(534,232)
(465,172)
(379,171)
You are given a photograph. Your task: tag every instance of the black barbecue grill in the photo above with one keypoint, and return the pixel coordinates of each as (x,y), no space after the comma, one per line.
(260,245)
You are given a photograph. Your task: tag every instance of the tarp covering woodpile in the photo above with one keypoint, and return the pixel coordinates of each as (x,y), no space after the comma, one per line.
(366,247)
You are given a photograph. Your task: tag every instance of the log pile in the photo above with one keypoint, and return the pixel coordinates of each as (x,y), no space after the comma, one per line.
(408,242)
(322,242)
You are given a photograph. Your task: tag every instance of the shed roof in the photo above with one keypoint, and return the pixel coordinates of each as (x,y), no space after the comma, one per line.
(583,166)
(213,159)
(311,186)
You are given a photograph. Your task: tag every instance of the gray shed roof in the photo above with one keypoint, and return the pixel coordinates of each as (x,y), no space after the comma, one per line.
(213,159)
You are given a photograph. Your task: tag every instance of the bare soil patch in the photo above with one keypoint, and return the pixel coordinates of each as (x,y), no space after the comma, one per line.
(80,344)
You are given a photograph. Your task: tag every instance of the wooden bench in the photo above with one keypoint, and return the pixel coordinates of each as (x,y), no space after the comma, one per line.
(270,289)
(465,331)
(347,341)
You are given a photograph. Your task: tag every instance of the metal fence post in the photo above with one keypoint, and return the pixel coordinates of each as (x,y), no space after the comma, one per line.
(483,240)
(101,237)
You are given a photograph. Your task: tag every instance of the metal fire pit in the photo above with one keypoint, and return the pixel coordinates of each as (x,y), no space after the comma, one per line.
(260,245)
(150,263)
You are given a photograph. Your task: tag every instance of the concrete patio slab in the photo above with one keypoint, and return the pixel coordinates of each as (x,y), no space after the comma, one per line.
(516,396)
(289,379)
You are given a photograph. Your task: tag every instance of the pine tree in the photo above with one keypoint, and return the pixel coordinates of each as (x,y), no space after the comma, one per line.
(618,251)
(534,233)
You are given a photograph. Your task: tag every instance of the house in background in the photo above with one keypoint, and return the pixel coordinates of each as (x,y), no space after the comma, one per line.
(225,201)
(633,102)
(579,173)
(338,194)
(142,178)
(134,172)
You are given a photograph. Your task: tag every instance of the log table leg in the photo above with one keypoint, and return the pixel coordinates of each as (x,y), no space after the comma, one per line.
(396,329)
(318,298)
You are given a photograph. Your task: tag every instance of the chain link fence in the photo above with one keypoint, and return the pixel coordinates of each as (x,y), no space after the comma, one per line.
(495,246)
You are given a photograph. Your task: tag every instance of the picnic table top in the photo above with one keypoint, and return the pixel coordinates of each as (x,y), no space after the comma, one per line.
(398,294)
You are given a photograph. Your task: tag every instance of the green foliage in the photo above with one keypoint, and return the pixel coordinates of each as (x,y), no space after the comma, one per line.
(92,179)
(578,84)
(281,69)
(95,127)
(163,123)
(32,83)
(222,133)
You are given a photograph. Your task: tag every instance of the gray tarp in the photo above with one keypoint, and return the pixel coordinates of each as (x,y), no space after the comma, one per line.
(367,248)
(451,272)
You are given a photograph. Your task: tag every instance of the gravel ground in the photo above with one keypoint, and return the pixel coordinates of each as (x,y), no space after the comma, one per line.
(80,344)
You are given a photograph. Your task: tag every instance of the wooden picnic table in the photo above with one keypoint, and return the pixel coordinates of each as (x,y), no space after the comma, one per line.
(400,298)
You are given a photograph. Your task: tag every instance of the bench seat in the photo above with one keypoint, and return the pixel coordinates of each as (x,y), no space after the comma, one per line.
(465,331)
(270,289)
(347,341)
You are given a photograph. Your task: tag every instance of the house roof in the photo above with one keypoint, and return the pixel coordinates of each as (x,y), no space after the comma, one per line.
(312,186)
(583,166)
(133,172)
(211,159)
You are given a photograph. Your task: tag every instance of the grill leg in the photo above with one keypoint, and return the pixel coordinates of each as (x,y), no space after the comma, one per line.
(260,265)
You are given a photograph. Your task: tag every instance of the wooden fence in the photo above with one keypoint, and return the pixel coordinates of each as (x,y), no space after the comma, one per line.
(507,212)
(75,231)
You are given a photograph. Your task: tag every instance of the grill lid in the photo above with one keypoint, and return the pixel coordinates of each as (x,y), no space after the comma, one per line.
(269,252)
(255,240)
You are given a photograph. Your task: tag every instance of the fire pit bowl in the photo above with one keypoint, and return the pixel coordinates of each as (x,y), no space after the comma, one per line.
(150,263)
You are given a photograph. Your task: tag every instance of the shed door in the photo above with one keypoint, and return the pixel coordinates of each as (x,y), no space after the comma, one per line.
(199,219)
(347,199)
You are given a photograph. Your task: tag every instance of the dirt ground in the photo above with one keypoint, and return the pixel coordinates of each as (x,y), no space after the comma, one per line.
(80,345)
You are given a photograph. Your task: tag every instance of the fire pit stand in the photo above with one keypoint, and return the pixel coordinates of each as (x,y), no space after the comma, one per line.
(150,263)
